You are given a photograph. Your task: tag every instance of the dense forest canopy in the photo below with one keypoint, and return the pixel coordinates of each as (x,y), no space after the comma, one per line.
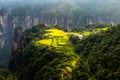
(61,57)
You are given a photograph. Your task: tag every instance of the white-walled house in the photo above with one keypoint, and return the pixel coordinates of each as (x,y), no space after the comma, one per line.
(80,37)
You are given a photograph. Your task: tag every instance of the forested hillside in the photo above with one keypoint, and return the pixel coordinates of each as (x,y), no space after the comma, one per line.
(100,56)
(7,75)
(94,57)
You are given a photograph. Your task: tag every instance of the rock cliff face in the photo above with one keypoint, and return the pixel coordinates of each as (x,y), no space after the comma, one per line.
(8,23)
(5,39)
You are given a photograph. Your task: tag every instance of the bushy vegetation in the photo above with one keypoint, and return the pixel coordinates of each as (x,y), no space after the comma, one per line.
(100,56)
(94,57)
(7,75)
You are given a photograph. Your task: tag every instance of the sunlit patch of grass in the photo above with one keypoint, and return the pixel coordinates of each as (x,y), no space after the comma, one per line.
(56,37)
(55,32)
(86,33)
(73,33)
(98,30)
(45,41)
(73,63)
(69,69)
(105,28)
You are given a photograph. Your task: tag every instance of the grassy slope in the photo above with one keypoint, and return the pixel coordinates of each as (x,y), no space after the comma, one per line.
(61,43)
(50,60)
(56,37)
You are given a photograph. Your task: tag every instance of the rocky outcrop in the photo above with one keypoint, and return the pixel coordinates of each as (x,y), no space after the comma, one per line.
(28,21)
